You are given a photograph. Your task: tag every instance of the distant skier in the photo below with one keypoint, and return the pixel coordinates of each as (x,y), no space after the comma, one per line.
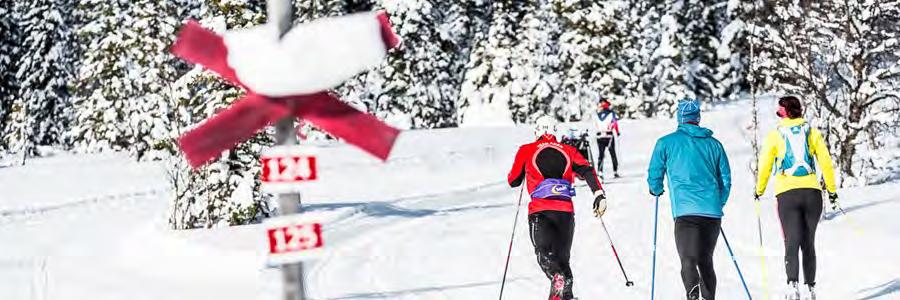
(794,149)
(548,169)
(606,122)
(578,137)
(700,182)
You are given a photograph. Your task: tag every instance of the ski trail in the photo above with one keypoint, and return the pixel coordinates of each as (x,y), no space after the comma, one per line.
(362,238)
(12,215)
(459,254)
(426,227)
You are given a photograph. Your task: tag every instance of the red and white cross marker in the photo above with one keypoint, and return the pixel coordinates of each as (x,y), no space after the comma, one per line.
(356,39)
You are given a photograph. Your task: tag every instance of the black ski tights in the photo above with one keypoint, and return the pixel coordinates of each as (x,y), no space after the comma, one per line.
(799,211)
(551,235)
(607,143)
(695,238)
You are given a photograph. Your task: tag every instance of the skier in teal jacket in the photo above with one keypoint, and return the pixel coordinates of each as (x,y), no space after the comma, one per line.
(699,181)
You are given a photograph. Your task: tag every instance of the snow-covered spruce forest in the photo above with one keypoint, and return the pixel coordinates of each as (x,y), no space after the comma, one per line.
(96,75)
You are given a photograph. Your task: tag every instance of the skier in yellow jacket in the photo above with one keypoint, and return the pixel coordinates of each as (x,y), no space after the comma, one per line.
(795,151)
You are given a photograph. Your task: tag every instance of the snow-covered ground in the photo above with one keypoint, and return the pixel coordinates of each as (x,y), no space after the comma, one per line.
(432,223)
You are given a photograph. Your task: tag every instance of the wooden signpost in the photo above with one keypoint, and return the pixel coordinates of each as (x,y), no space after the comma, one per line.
(285,167)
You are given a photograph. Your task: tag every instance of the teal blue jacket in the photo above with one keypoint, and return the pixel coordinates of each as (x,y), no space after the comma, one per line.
(698,170)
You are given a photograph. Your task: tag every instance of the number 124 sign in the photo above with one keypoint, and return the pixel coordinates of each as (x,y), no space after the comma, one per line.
(284,167)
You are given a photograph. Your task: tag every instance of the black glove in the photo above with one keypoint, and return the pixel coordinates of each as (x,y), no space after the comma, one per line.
(599,204)
(833,199)
(660,193)
(756,196)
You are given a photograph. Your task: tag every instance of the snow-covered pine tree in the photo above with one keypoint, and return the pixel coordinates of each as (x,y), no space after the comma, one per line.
(473,19)
(414,88)
(499,79)
(699,50)
(733,52)
(527,59)
(663,81)
(549,97)
(591,48)
(224,192)
(675,48)
(40,112)
(122,85)
(636,23)
(843,58)
(648,51)
(9,52)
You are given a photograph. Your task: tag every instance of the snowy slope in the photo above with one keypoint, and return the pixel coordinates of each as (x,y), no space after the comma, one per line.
(432,223)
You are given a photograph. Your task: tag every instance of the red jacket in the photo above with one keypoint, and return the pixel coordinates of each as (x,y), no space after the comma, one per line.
(547,158)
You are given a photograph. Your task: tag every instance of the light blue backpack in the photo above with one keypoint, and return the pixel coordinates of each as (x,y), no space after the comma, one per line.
(796,159)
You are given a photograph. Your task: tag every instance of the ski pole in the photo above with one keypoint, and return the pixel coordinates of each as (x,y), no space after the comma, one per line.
(734,260)
(511,238)
(616,253)
(762,252)
(853,225)
(653,273)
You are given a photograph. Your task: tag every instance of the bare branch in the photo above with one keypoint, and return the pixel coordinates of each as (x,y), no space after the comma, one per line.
(876,99)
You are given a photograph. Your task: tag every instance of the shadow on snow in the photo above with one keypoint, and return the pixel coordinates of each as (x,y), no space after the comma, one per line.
(388,209)
(885,289)
(407,292)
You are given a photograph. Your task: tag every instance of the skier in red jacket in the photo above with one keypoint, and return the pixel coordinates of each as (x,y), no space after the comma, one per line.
(549,169)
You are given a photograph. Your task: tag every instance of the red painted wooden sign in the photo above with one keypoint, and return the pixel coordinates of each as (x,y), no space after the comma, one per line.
(293,239)
(254,111)
(285,167)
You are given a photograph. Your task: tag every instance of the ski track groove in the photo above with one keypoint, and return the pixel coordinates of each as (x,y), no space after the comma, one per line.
(13,215)
(364,239)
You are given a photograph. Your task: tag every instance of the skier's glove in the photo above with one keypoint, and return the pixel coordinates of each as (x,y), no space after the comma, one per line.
(660,193)
(599,203)
(833,199)
(756,196)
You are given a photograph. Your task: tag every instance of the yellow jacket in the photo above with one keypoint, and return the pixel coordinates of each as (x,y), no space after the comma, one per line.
(774,147)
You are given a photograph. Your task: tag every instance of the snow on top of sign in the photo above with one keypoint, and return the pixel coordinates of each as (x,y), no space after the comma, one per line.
(291,150)
(311,57)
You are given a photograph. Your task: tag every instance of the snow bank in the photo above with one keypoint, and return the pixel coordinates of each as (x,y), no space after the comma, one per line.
(424,162)
(64,179)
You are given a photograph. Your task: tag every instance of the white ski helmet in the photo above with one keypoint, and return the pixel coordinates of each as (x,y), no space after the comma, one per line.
(545,125)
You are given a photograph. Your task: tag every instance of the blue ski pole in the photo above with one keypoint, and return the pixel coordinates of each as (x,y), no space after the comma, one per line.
(734,260)
(653,273)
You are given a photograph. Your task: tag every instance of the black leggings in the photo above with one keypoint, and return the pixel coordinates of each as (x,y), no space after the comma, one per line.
(551,235)
(604,143)
(695,238)
(799,211)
